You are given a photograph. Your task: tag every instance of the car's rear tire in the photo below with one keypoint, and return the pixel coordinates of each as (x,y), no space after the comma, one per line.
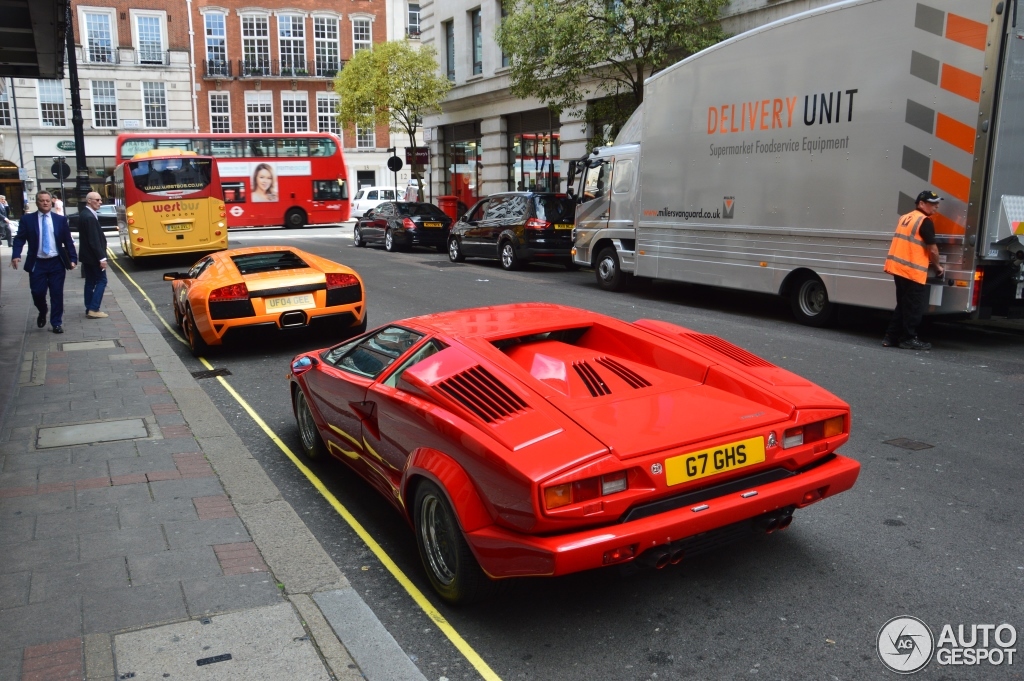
(507,255)
(312,442)
(177,314)
(389,241)
(808,298)
(295,218)
(451,567)
(608,270)
(455,253)
(357,238)
(196,344)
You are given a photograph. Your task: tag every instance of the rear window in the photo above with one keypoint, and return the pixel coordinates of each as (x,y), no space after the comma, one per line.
(267,262)
(165,176)
(424,209)
(555,208)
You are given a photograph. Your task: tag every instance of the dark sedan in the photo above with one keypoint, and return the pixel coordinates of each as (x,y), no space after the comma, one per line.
(402,224)
(108,218)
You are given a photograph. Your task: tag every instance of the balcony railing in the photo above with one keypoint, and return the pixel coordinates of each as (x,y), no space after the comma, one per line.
(149,57)
(289,68)
(100,55)
(216,68)
(413,32)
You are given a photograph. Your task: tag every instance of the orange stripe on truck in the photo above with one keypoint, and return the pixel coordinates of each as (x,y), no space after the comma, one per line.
(944,225)
(956,133)
(950,181)
(965,31)
(960,82)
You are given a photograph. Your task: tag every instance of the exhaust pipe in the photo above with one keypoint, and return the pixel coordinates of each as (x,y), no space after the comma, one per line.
(657,558)
(785,522)
(676,557)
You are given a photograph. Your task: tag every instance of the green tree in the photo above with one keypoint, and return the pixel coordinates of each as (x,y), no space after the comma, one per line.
(393,84)
(562,50)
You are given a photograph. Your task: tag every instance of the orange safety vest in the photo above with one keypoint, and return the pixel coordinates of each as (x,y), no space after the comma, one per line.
(908,254)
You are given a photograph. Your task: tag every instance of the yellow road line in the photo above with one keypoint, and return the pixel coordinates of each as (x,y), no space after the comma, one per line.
(446,628)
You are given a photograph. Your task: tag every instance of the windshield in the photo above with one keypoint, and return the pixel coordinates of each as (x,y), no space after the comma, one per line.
(167,176)
(268,262)
(424,209)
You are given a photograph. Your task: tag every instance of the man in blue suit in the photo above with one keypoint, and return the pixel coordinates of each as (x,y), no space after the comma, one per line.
(45,232)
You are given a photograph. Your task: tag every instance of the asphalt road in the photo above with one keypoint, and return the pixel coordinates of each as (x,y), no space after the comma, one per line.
(934,533)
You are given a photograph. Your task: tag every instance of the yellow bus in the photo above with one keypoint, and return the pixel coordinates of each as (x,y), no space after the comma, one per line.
(168,201)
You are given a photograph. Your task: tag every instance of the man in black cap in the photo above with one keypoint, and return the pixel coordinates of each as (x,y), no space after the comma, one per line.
(912,251)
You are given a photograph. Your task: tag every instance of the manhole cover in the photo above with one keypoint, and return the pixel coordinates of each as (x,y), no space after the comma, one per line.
(441,263)
(212,373)
(912,445)
(89,433)
(90,345)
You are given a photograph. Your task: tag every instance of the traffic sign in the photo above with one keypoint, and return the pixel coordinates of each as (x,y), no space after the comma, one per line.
(394,164)
(60,170)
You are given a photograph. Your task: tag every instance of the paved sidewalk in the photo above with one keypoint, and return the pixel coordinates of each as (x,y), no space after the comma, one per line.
(138,536)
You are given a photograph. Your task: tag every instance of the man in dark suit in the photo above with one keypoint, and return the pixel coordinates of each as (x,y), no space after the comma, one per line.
(45,233)
(92,253)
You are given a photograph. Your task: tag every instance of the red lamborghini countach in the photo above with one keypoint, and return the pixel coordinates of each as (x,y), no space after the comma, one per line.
(535,439)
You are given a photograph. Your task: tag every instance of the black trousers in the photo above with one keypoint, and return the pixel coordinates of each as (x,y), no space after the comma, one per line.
(910,302)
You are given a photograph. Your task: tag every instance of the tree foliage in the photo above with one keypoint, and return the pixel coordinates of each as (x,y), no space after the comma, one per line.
(393,84)
(562,50)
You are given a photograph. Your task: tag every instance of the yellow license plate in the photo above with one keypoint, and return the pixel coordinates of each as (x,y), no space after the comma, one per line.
(179,227)
(563,226)
(701,464)
(300,301)
(431,224)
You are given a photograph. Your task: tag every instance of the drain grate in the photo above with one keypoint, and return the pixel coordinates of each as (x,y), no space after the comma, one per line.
(442,263)
(912,445)
(212,373)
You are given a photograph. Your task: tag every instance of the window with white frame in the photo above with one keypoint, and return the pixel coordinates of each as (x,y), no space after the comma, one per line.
(154,104)
(291,37)
(362,35)
(327,112)
(449,46)
(259,112)
(220,112)
(150,31)
(414,20)
(99,38)
(51,104)
(216,44)
(294,112)
(5,108)
(366,137)
(477,42)
(325,46)
(104,104)
(255,45)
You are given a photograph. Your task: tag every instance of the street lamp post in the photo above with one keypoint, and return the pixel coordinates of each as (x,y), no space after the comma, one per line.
(82,186)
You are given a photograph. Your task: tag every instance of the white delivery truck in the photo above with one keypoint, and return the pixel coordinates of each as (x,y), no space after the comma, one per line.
(779,160)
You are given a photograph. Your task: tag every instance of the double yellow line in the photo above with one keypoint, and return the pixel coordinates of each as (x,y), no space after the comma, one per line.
(446,628)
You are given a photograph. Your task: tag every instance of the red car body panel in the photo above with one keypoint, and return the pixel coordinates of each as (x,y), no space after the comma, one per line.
(528,396)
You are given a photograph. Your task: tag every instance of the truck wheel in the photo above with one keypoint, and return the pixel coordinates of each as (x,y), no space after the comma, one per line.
(809,301)
(295,218)
(610,276)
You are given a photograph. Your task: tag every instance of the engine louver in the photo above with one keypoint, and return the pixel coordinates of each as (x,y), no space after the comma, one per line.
(726,348)
(480,392)
(634,379)
(595,384)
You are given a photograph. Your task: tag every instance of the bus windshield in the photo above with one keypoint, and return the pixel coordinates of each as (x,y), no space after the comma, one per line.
(170,176)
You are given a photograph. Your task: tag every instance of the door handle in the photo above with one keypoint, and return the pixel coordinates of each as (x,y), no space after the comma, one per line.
(367,412)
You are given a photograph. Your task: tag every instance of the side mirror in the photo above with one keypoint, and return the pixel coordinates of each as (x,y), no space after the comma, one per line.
(368,214)
(171,276)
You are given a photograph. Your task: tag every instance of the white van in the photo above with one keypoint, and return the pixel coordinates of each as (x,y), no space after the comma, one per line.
(369,197)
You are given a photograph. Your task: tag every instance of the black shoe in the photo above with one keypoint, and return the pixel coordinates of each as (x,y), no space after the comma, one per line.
(889,342)
(915,344)
(41,319)
(58,329)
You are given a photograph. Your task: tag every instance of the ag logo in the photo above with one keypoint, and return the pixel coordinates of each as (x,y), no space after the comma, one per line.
(236,210)
(728,203)
(905,645)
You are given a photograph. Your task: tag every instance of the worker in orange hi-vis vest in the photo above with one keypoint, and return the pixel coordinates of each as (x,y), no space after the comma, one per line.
(913,249)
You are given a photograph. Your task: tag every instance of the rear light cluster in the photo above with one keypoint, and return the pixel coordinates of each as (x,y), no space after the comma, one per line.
(407,223)
(979,278)
(537,223)
(233,292)
(567,493)
(812,432)
(335,280)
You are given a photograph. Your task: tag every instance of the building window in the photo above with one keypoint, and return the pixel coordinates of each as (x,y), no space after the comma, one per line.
(366,137)
(5,108)
(154,105)
(104,104)
(216,44)
(51,103)
(478,42)
(449,42)
(414,20)
(98,38)
(325,46)
(362,37)
(220,112)
(294,112)
(327,112)
(504,14)
(255,46)
(151,41)
(291,36)
(259,112)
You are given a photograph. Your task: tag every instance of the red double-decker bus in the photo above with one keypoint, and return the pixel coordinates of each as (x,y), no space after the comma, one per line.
(290,179)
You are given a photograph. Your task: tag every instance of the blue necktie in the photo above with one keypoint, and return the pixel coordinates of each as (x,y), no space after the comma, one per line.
(47,243)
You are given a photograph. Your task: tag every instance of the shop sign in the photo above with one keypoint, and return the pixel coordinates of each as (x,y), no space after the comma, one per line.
(66,145)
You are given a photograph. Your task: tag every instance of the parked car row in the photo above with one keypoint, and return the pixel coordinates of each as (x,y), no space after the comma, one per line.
(107,215)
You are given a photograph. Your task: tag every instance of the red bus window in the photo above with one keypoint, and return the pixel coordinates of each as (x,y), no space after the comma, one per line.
(234,192)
